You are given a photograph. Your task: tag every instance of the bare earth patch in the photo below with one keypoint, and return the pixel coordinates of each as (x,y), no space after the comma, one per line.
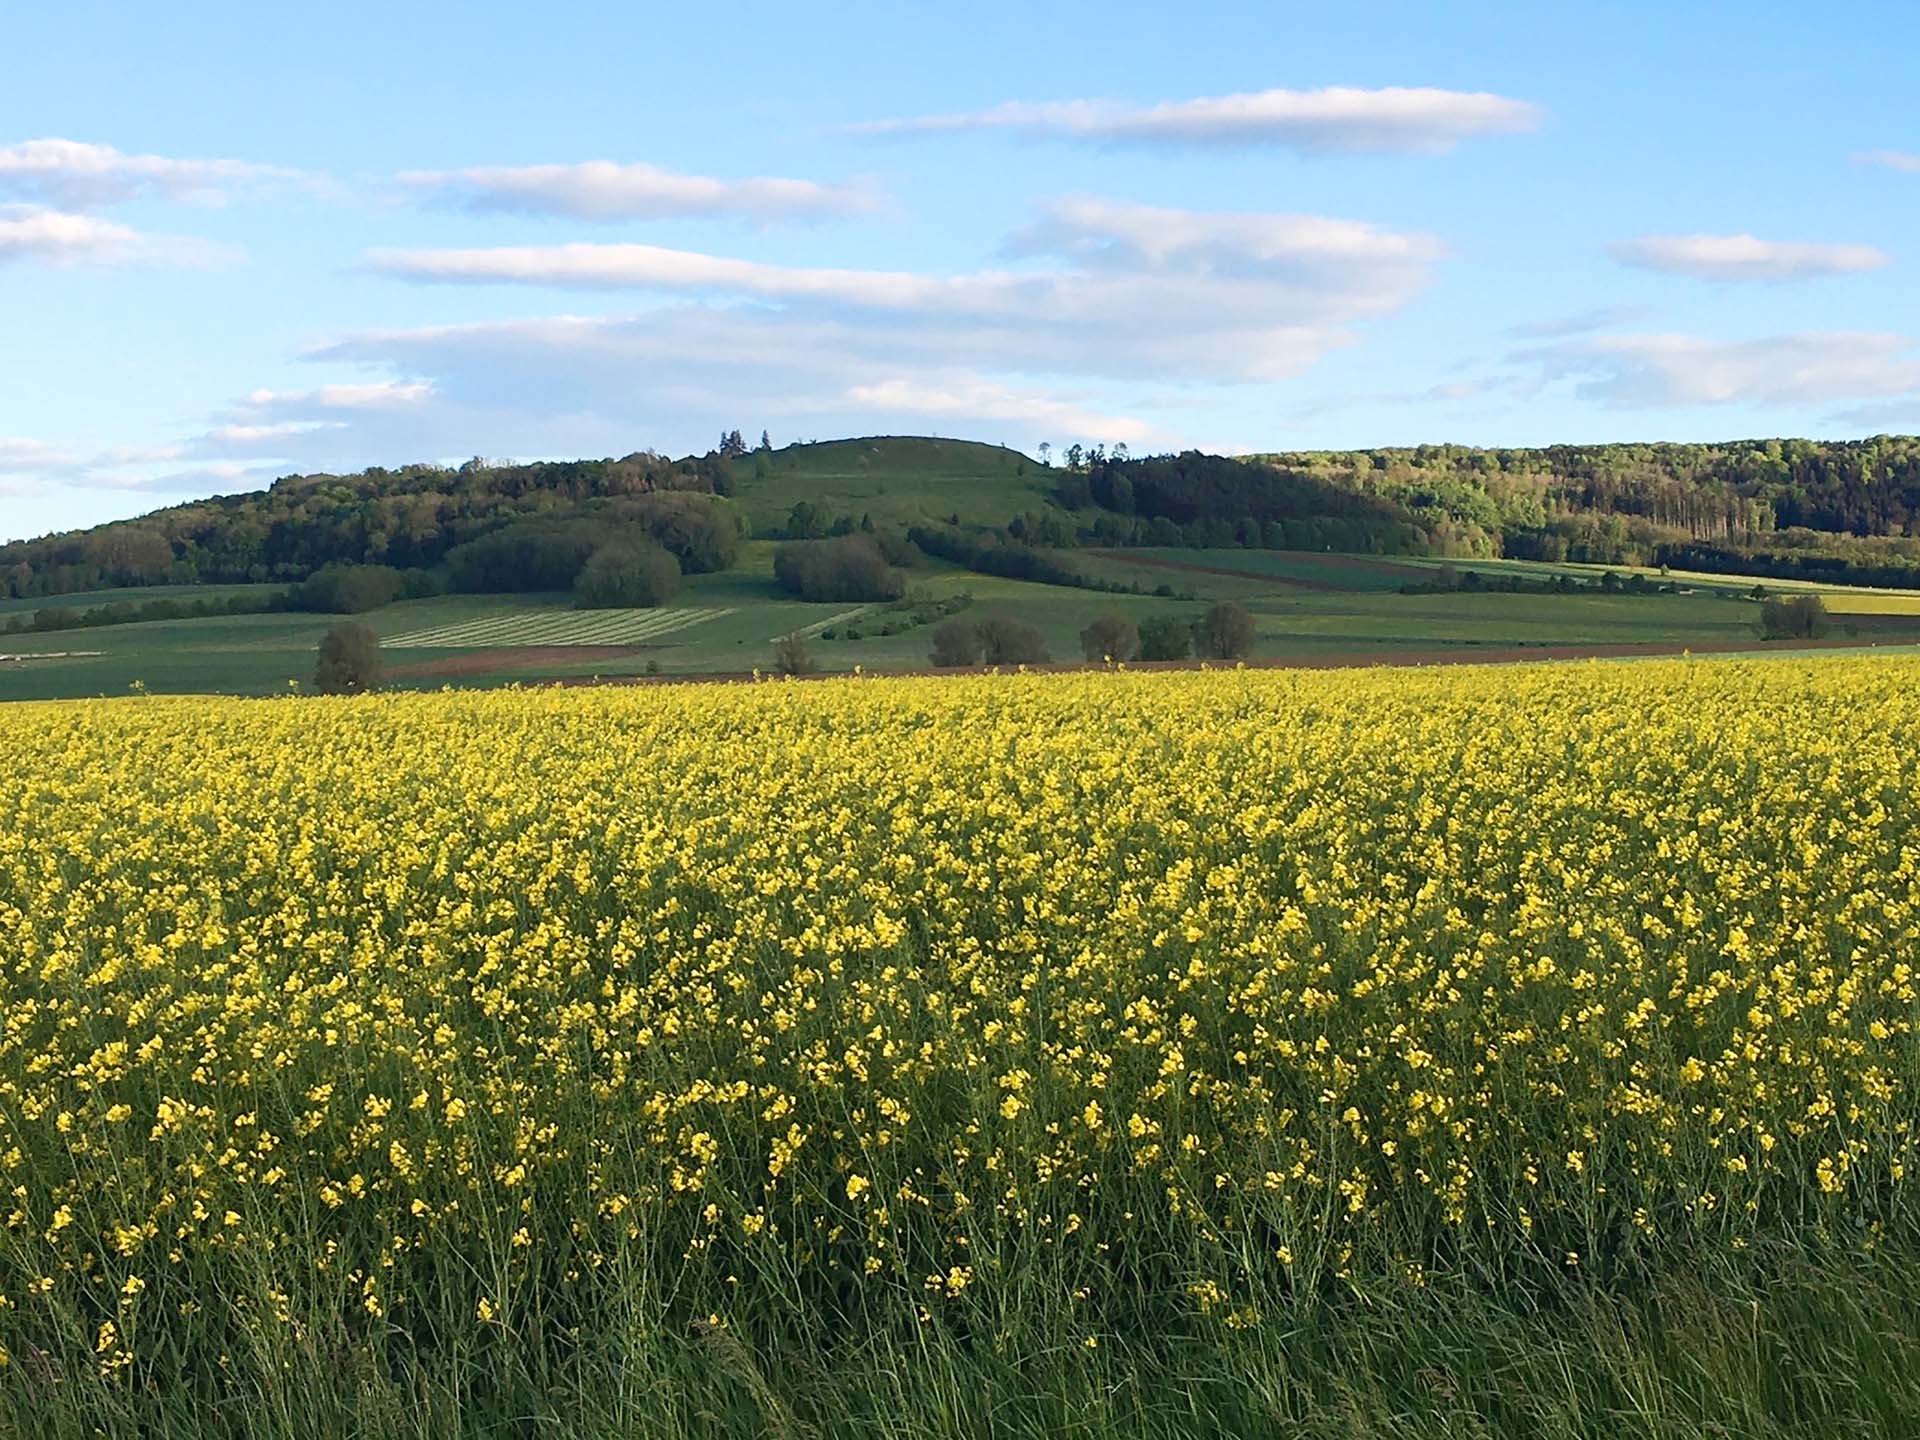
(512,657)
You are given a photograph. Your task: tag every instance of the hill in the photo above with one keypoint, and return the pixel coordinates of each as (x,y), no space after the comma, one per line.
(894,479)
(1833,511)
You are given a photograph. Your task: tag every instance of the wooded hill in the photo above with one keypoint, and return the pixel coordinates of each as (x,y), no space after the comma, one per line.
(1839,511)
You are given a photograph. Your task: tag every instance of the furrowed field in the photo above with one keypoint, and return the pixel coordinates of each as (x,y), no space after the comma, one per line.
(1525,1051)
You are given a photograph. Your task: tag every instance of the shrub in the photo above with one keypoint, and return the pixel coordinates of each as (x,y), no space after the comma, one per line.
(1225,632)
(522,558)
(1795,617)
(791,656)
(349,589)
(349,661)
(957,642)
(628,574)
(1005,640)
(702,533)
(850,567)
(1110,637)
(1165,637)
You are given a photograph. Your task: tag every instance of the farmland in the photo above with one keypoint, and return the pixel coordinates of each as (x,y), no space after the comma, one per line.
(1309,607)
(1396,1052)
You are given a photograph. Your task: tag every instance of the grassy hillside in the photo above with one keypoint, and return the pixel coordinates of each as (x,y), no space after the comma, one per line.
(1308,607)
(895,479)
(1311,602)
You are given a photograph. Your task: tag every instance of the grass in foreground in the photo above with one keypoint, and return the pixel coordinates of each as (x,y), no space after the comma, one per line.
(1522,1052)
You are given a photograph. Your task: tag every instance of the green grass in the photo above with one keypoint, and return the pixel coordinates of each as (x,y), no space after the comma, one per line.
(899,480)
(1307,607)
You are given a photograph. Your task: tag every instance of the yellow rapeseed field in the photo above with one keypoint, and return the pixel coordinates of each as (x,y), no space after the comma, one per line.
(470,1020)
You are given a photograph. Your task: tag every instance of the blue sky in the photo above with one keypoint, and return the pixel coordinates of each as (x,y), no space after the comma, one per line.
(239,241)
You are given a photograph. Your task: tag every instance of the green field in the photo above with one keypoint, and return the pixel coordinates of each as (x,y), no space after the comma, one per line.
(1309,607)
(727,623)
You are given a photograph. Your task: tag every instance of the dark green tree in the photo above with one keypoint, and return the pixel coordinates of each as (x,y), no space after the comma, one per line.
(627,574)
(349,662)
(1225,632)
(1165,637)
(957,642)
(1110,637)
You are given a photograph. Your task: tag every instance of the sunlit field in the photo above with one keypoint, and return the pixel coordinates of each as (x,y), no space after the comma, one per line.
(1256,1052)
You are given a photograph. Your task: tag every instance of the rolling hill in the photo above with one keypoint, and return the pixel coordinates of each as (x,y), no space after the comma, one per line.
(1340,559)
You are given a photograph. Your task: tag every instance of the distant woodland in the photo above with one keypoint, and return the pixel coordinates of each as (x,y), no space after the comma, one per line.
(1841,511)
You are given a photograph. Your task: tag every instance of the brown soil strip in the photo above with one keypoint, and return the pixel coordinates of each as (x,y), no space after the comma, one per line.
(510,657)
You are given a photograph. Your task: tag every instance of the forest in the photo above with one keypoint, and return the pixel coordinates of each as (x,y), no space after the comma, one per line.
(1837,511)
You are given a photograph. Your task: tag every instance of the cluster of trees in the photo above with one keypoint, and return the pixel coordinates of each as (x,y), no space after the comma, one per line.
(995,639)
(1839,511)
(410,518)
(1847,511)
(1225,632)
(1795,617)
(733,445)
(355,589)
(902,615)
(132,612)
(1448,579)
(848,568)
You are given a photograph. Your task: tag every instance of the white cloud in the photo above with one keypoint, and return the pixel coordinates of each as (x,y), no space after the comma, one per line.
(1333,119)
(379,395)
(1745,257)
(1603,317)
(1906,160)
(21,456)
(602,190)
(75,175)
(975,399)
(589,266)
(1670,371)
(1117,289)
(55,237)
(279,430)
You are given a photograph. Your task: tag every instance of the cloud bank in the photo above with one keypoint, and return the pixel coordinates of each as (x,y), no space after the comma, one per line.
(1674,371)
(1338,118)
(75,175)
(603,191)
(1745,257)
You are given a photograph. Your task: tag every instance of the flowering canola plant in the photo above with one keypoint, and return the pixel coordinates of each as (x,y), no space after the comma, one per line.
(863,1001)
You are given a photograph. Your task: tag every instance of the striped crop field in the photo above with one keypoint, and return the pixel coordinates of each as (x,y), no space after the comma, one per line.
(557,627)
(1872,602)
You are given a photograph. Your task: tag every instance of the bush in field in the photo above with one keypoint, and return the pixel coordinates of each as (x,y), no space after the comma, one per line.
(1795,617)
(349,661)
(628,574)
(1165,637)
(850,567)
(957,642)
(1110,637)
(349,589)
(791,656)
(1005,640)
(1225,632)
